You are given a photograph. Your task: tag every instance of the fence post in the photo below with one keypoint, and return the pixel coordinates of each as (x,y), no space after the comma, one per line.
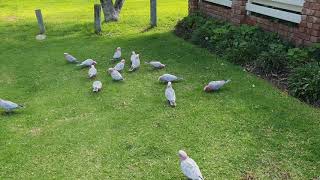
(97,18)
(153,13)
(40,21)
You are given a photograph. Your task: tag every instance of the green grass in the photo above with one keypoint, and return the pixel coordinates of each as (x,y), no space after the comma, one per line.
(128,131)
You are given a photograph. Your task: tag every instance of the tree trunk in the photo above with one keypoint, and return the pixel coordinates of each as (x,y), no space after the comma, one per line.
(111,11)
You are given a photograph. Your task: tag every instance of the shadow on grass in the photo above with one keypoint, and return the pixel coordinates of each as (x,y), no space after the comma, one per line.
(147,29)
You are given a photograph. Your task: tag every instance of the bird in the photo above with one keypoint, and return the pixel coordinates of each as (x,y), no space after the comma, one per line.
(120,66)
(92,72)
(87,63)
(170,95)
(135,63)
(169,78)
(215,85)
(133,56)
(189,167)
(116,76)
(96,86)
(70,58)
(117,54)
(156,64)
(9,106)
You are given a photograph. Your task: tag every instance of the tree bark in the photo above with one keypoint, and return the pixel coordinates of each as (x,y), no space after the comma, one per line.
(111,11)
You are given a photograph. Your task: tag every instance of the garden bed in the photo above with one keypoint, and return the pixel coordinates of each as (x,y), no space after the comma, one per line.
(295,70)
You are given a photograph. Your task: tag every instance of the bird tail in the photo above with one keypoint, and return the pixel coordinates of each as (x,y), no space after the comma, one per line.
(180,79)
(20,106)
(79,64)
(146,62)
(227,81)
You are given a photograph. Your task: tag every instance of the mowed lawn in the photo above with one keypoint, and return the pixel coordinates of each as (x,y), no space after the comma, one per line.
(127,131)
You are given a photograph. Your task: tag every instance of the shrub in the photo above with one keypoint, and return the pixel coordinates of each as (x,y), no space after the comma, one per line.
(314,52)
(304,83)
(201,35)
(187,25)
(297,57)
(273,59)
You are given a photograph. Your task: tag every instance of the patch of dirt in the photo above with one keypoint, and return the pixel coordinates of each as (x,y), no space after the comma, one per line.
(11,18)
(35,131)
(279,80)
(248,176)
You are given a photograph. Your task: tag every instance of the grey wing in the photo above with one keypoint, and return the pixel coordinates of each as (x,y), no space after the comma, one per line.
(191,170)
(216,84)
(170,94)
(9,105)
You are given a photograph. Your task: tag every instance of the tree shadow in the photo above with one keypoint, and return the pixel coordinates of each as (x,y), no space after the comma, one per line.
(147,29)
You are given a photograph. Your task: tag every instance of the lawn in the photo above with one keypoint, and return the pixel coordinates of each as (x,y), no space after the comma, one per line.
(128,131)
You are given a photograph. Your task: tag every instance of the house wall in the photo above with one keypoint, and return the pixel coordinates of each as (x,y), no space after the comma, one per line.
(304,33)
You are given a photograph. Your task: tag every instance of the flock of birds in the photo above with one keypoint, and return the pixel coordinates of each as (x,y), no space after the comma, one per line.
(188,166)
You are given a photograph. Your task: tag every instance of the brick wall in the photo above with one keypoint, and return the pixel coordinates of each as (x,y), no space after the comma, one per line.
(305,33)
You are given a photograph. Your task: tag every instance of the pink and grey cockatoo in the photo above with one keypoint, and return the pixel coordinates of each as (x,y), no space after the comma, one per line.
(215,85)
(135,63)
(120,66)
(70,58)
(9,106)
(156,64)
(87,63)
(92,72)
(133,56)
(169,78)
(116,76)
(96,86)
(170,95)
(117,54)
(189,167)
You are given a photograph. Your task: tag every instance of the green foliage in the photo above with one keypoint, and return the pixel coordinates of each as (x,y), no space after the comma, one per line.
(314,52)
(186,27)
(304,83)
(297,57)
(273,59)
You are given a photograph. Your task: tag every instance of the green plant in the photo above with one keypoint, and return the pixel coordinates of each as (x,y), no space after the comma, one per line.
(297,57)
(273,59)
(314,52)
(185,27)
(304,83)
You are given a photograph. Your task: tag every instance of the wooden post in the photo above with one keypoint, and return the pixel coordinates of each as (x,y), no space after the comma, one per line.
(97,18)
(40,21)
(153,13)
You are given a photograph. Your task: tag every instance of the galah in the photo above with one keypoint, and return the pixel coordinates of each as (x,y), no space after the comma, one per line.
(92,72)
(135,63)
(96,86)
(133,56)
(169,78)
(120,66)
(9,106)
(156,64)
(189,167)
(170,95)
(116,76)
(117,54)
(215,85)
(70,58)
(87,63)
